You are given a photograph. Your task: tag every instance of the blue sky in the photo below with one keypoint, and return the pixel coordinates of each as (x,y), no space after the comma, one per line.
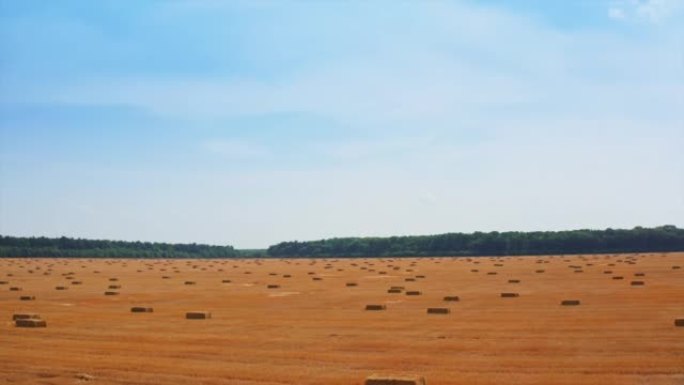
(249,123)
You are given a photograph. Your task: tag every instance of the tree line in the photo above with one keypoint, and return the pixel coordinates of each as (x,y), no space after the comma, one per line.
(639,239)
(70,247)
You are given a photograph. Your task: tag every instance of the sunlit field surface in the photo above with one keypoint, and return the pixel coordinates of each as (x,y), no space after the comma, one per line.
(312,328)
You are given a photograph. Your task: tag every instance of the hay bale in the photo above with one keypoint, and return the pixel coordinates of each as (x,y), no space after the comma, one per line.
(113,279)
(539,271)
(190,283)
(410,279)
(30,323)
(27,298)
(394,380)
(4,282)
(492,273)
(438,310)
(352,284)
(114,287)
(679,322)
(17,316)
(226,281)
(618,277)
(61,288)
(111,293)
(15,288)
(197,315)
(376,307)
(317,278)
(394,291)
(141,309)
(676,267)
(570,302)
(509,295)
(413,292)
(637,283)
(513,281)
(451,298)
(639,274)
(76,282)
(273,286)
(287,276)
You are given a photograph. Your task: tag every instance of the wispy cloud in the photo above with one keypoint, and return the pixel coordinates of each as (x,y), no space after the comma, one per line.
(651,11)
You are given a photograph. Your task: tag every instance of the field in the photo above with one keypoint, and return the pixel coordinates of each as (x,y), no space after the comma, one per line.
(313,327)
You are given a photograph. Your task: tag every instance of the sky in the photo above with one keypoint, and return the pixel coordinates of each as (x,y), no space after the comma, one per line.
(253,122)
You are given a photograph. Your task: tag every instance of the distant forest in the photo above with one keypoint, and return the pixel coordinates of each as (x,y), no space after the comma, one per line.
(639,239)
(70,247)
(664,238)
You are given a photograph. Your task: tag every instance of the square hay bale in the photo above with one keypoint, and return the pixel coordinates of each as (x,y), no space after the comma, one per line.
(639,274)
(61,288)
(197,315)
(114,287)
(141,309)
(539,271)
(637,283)
(27,298)
(76,282)
(111,293)
(351,284)
(226,281)
(438,310)
(676,267)
(190,282)
(394,380)
(509,295)
(474,270)
(317,278)
(4,282)
(451,298)
(113,279)
(570,302)
(618,277)
(30,323)
(287,276)
(15,288)
(273,286)
(376,307)
(679,322)
(413,292)
(513,281)
(17,316)
(394,291)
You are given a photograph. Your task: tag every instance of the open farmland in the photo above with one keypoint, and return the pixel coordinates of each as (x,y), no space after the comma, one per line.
(303,321)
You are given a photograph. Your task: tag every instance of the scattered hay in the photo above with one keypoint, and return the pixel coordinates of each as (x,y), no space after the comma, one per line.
(197,315)
(376,307)
(17,316)
(141,309)
(30,323)
(570,302)
(394,380)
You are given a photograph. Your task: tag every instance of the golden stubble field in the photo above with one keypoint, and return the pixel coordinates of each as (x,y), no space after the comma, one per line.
(314,329)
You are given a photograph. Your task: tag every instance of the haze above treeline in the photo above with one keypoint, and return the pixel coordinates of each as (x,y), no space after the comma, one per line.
(639,239)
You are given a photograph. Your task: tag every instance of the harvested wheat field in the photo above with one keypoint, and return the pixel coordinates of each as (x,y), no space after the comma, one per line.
(275,322)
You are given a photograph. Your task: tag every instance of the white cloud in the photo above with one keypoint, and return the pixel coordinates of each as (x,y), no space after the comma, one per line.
(650,11)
